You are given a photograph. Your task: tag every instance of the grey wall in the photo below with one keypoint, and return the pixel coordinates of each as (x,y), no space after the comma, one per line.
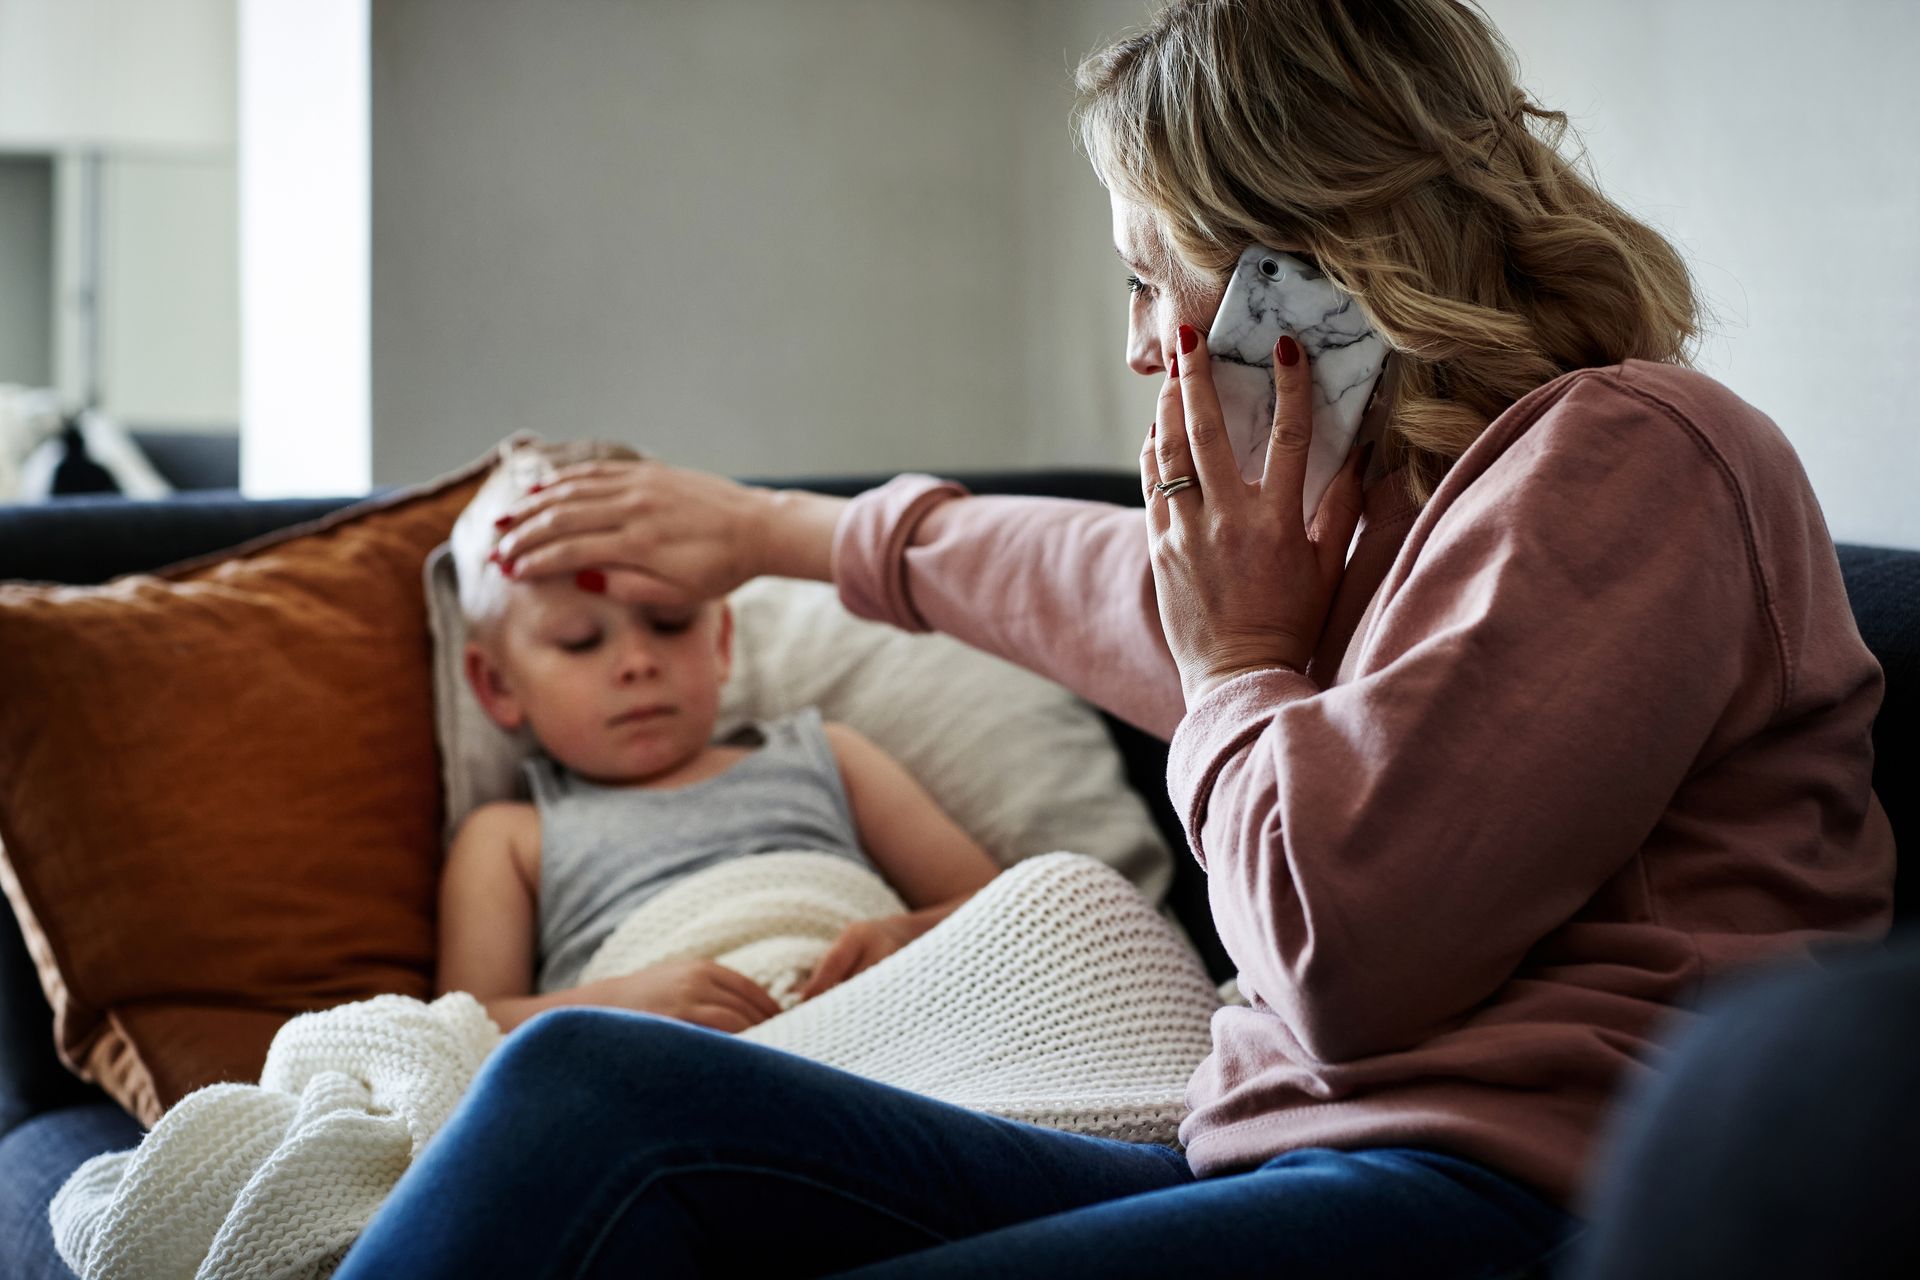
(776,237)
(1773,141)
(26,270)
(755,236)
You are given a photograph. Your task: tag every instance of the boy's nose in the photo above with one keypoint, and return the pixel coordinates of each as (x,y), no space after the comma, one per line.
(639,658)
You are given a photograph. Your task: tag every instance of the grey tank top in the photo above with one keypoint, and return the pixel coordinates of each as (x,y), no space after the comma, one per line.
(606,850)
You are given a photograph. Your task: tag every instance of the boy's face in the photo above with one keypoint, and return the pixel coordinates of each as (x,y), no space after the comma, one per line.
(580,669)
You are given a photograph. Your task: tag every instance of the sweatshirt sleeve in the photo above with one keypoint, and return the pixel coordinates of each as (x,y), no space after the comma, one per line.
(1557,648)
(1060,586)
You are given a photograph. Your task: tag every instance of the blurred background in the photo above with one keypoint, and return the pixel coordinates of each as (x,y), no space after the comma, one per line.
(318,246)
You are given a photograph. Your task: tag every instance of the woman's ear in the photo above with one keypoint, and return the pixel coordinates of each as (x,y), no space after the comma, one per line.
(489,686)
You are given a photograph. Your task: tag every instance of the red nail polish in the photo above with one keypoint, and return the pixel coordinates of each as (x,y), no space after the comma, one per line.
(1287,351)
(506,567)
(493,556)
(1189,338)
(1173,369)
(536,488)
(1151,428)
(503,522)
(591,580)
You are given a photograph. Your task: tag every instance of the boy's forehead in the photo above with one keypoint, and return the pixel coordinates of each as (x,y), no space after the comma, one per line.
(540,601)
(557,599)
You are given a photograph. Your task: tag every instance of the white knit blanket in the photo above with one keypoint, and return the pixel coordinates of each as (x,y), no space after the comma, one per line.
(1057,995)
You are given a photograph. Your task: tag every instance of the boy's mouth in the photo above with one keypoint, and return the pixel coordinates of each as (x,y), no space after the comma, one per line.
(638,714)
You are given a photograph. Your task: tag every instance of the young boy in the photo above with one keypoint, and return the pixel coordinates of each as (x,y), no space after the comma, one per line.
(630,793)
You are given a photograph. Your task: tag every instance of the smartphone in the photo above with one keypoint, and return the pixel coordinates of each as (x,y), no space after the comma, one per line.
(1272,293)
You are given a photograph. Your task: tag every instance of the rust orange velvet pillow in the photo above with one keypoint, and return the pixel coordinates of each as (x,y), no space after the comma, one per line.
(219,795)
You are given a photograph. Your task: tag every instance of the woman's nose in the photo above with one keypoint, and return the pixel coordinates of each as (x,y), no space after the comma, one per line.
(1143,352)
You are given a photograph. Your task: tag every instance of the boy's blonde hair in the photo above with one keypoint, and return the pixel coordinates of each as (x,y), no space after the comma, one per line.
(523,462)
(1390,138)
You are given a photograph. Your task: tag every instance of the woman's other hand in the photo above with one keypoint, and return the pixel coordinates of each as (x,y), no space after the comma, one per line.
(697,991)
(656,534)
(1242,584)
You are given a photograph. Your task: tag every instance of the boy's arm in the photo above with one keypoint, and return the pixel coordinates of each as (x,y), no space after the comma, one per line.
(921,851)
(924,855)
(489,894)
(487,907)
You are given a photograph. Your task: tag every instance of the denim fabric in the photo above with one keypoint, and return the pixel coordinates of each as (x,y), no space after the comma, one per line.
(606,1143)
(1778,1143)
(35,1159)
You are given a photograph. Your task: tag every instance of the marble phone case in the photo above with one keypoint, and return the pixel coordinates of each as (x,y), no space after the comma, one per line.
(1272,293)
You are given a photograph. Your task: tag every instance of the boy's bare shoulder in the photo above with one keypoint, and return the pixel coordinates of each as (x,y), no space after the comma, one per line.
(514,823)
(502,817)
(851,747)
(840,733)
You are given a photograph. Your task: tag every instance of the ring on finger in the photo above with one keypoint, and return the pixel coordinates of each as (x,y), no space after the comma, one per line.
(1169,487)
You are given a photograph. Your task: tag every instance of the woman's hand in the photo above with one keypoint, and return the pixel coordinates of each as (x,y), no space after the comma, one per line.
(696,991)
(661,535)
(1242,585)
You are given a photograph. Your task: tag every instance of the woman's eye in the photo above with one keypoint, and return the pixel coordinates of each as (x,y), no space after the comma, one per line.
(580,646)
(1135,285)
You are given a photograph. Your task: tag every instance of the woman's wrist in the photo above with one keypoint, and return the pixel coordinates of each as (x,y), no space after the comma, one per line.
(796,533)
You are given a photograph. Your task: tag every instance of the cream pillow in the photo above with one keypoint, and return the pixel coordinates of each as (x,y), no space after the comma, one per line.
(1021,763)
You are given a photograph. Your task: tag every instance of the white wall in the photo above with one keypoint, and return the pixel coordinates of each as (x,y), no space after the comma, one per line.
(149,84)
(1773,142)
(772,238)
(170,292)
(304,93)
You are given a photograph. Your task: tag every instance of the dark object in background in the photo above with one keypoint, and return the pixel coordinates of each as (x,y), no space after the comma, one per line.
(77,471)
(1778,1142)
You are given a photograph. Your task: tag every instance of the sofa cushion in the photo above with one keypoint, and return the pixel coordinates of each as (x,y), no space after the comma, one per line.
(219,796)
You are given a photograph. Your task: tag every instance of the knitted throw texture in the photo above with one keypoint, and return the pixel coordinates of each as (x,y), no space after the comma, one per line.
(1057,995)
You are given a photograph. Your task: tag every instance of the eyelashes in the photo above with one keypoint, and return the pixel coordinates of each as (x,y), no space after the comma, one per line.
(1137,286)
(665,627)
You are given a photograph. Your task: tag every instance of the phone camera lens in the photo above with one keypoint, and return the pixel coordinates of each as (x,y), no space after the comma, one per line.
(1269,268)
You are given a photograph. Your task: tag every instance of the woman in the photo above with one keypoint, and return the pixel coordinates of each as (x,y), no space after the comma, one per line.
(1581,721)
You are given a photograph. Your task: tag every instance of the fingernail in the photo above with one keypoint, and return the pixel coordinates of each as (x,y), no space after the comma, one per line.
(503,522)
(1173,368)
(1152,427)
(1287,351)
(506,567)
(493,556)
(536,488)
(590,580)
(1189,338)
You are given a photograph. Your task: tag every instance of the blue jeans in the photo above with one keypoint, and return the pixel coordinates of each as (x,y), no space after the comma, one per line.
(603,1143)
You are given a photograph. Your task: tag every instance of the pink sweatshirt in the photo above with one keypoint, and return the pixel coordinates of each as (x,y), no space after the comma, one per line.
(1589,728)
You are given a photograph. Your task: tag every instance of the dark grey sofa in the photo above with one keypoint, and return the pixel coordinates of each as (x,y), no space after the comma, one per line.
(50,1122)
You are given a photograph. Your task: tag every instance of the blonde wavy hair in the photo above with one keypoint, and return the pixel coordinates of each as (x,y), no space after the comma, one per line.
(1390,139)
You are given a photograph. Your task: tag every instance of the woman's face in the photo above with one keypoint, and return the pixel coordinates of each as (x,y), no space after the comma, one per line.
(1157,308)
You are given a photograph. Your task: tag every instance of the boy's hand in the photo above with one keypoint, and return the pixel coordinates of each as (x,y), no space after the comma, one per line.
(861,945)
(696,991)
